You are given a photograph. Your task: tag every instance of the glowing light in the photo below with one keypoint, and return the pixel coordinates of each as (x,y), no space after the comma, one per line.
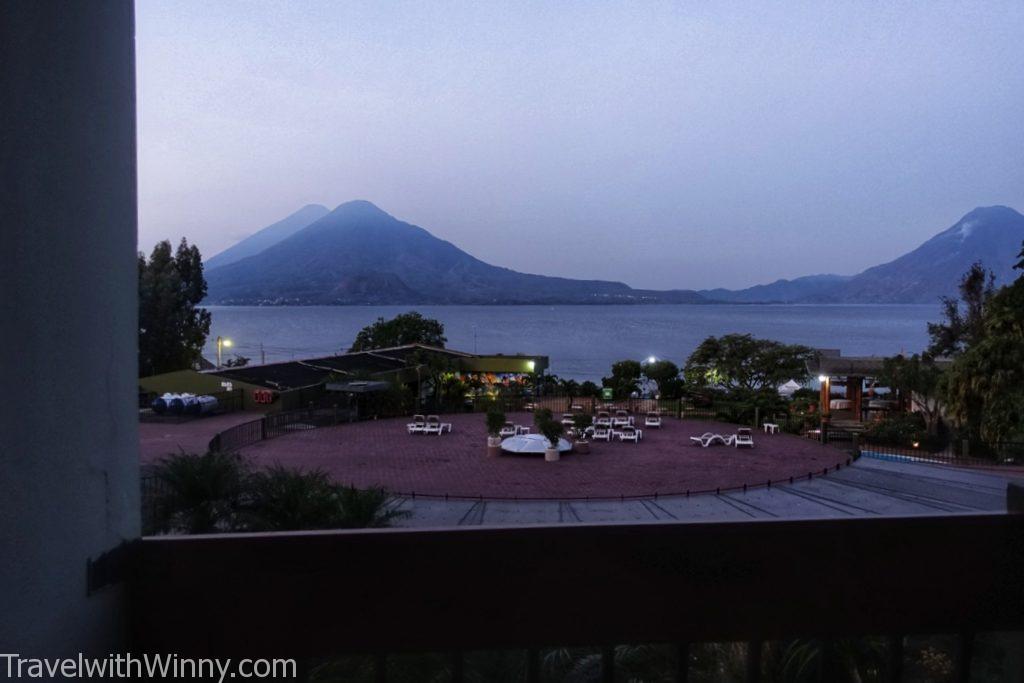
(822,378)
(652,359)
(916,444)
(227,343)
(530,365)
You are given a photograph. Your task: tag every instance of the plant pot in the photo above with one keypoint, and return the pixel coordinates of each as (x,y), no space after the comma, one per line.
(493,441)
(551,455)
(581,447)
(493,446)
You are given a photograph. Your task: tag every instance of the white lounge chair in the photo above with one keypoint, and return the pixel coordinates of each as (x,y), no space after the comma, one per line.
(418,425)
(630,433)
(602,433)
(653,419)
(707,439)
(508,430)
(433,425)
(743,437)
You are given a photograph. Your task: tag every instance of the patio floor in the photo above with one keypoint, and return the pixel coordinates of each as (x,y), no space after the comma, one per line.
(381,453)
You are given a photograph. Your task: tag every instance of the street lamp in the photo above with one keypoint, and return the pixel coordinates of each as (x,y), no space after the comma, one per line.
(222,344)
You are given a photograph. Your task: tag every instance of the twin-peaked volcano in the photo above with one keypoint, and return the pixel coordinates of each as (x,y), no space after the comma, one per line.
(358,254)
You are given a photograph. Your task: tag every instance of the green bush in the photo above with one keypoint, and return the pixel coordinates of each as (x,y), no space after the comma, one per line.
(903,430)
(495,420)
(219,492)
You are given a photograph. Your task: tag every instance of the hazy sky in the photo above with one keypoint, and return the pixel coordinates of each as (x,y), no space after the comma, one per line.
(661,144)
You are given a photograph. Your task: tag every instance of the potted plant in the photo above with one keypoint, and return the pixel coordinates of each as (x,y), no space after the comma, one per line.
(582,422)
(552,431)
(495,421)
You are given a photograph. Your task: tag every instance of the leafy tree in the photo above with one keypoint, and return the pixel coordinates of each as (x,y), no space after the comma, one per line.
(403,329)
(922,380)
(625,378)
(547,425)
(588,389)
(742,362)
(237,362)
(665,374)
(985,388)
(172,327)
(964,317)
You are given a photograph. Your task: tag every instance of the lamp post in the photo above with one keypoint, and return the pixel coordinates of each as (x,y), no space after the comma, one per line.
(222,344)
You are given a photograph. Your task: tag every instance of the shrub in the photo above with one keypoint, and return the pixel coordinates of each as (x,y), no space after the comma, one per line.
(202,493)
(495,420)
(902,429)
(581,421)
(218,492)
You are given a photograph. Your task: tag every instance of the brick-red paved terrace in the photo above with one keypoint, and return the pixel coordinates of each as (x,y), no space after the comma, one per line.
(382,453)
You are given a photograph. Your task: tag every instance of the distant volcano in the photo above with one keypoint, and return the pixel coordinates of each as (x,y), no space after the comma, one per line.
(358,254)
(990,234)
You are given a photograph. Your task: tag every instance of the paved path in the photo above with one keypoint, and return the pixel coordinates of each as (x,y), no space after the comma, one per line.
(158,439)
(868,487)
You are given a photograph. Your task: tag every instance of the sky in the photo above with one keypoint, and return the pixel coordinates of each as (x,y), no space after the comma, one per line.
(665,145)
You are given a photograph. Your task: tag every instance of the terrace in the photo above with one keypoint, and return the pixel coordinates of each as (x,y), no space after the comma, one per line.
(78,577)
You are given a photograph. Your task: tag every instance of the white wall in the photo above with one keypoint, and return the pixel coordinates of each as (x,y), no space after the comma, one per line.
(68,435)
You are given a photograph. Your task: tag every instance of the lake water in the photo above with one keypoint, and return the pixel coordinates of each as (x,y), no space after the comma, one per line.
(581,341)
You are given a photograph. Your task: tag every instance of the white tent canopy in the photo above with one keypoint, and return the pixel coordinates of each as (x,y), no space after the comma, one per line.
(789,388)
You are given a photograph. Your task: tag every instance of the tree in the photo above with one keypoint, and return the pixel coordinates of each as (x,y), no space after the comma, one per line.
(964,317)
(665,374)
(625,378)
(172,327)
(922,380)
(403,329)
(237,362)
(741,362)
(985,386)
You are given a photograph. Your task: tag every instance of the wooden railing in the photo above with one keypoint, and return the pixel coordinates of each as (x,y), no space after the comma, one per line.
(384,591)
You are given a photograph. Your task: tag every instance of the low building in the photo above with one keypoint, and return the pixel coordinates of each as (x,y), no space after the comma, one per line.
(293,384)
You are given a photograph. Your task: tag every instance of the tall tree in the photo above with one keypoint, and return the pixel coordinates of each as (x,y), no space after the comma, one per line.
(742,362)
(922,380)
(964,317)
(172,326)
(405,328)
(665,374)
(985,386)
(625,378)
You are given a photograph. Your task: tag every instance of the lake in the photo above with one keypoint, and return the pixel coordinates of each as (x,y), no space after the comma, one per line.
(581,341)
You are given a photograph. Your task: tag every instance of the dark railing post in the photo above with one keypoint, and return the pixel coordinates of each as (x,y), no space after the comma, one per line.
(608,664)
(856,444)
(263,428)
(965,450)
(683,663)
(757,417)
(532,666)
(753,667)
(458,667)
(964,655)
(894,659)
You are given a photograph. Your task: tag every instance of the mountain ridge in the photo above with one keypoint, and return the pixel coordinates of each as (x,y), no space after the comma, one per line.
(359,254)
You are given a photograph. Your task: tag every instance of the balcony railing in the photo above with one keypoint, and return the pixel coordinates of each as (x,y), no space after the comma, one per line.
(320,594)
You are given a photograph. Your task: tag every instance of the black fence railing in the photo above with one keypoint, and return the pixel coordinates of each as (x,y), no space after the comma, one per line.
(465,591)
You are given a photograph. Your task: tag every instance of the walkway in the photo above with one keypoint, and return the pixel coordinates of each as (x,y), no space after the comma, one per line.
(868,487)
